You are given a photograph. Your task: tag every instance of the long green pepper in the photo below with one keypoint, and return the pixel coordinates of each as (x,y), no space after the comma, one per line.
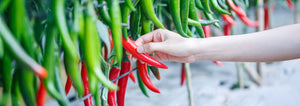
(218,8)
(70,54)
(175,11)
(135,20)
(149,10)
(142,85)
(92,49)
(116,27)
(184,14)
(194,15)
(103,14)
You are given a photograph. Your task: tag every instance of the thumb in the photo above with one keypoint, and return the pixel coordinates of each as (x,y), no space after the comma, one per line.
(150,47)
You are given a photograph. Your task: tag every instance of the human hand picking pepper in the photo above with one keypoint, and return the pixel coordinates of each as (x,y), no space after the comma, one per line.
(272,45)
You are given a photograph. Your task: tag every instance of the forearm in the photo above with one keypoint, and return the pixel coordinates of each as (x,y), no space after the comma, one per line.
(272,45)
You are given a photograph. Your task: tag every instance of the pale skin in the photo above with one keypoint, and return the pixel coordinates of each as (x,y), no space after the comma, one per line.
(276,44)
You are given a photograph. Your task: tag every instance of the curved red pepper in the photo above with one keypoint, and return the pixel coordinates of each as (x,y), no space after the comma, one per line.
(238,10)
(110,40)
(111,99)
(143,72)
(68,85)
(40,97)
(85,80)
(228,19)
(122,83)
(130,46)
(290,4)
(218,63)
(131,76)
(249,22)
(267,25)
(227,29)
(183,74)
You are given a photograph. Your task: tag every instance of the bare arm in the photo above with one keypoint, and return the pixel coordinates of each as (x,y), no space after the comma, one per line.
(272,45)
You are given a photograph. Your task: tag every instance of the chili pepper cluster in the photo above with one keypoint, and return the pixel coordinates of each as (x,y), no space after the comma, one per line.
(90,44)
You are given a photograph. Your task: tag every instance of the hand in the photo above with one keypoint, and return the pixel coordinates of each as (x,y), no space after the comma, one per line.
(168,45)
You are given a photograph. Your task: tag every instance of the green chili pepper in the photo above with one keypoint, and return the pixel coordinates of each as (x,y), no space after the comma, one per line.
(1,48)
(92,49)
(149,10)
(212,17)
(3,5)
(103,14)
(125,12)
(50,60)
(222,3)
(6,71)
(15,89)
(70,54)
(184,14)
(155,72)
(141,84)
(135,20)
(58,82)
(194,15)
(218,8)
(199,4)
(202,22)
(130,5)
(116,27)
(206,5)
(175,11)
(146,25)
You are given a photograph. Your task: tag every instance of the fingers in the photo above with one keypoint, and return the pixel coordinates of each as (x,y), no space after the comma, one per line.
(150,48)
(154,36)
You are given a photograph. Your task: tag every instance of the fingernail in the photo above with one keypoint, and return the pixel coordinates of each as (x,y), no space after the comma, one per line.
(140,49)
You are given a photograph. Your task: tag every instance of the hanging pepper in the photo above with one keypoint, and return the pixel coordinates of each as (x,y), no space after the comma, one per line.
(199,4)
(5,71)
(218,8)
(290,4)
(68,85)
(238,10)
(125,13)
(103,14)
(206,4)
(194,15)
(149,10)
(183,75)
(227,29)
(248,22)
(115,26)
(130,5)
(122,83)
(176,17)
(131,76)
(135,20)
(184,13)
(18,52)
(70,54)
(131,47)
(3,5)
(141,85)
(267,24)
(40,97)
(228,19)
(91,47)
(143,72)
(85,80)
(114,73)
(15,89)
(155,72)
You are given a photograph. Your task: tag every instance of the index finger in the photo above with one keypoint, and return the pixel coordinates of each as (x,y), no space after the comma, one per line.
(154,36)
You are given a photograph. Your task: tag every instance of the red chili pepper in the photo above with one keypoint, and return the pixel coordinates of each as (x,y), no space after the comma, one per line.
(227,29)
(131,76)
(40,97)
(105,52)
(85,80)
(249,22)
(130,46)
(143,72)
(238,10)
(68,85)
(228,19)
(290,4)
(111,99)
(122,83)
(267,25)
(183,75)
